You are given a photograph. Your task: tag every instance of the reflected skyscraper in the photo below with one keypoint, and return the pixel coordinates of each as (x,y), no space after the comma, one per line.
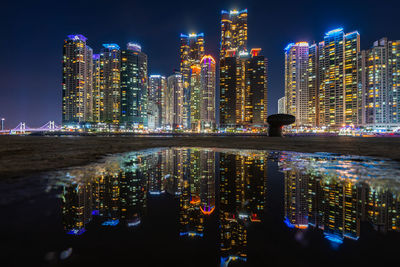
(242,199)
(77,205)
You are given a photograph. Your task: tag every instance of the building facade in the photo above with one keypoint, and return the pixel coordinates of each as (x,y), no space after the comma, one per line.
(157,91)
(174,102)
(207,96)
(96,88)
(243,89)
(296,78)
(381,84)
(77,85)
(233,31)
(134,87)
(191,52)
(110,84)
(339,88)
(282,105)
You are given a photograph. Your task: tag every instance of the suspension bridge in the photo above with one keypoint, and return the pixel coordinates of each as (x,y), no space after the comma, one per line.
(22,128)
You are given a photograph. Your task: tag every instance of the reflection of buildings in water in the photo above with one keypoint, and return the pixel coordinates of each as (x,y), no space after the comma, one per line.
(76,207)
(242,199)
(155,178)
(174,169)
(198,192)
(113,195)
(383,210)
(337,205)
(296,209)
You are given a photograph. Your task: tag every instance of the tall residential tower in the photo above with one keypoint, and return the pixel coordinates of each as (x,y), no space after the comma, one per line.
(134,86)
(77,85)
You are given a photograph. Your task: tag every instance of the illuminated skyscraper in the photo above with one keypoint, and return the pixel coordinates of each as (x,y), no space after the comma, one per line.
(134,86)
(97,94)
(233,31)
(195,96)
(157,91)
(110,84)
(77,85)
(207,96)
(339,89)
(382,84)
(227,83)
(243,89)
(174,101)
(282,105)
(257,71)
(296,91)
(313,86)
(191,52)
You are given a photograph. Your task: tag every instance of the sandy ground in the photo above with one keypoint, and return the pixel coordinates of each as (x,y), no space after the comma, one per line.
(25,155)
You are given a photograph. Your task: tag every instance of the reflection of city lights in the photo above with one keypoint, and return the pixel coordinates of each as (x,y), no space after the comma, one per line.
(207,210)
(76,231)
(111,223)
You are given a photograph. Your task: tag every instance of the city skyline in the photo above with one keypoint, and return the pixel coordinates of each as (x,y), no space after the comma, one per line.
(34,97)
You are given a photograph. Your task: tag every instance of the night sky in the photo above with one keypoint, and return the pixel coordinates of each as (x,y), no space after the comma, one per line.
(33,33)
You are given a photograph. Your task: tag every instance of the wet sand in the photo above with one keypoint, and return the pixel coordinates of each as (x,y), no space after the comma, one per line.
(25,155)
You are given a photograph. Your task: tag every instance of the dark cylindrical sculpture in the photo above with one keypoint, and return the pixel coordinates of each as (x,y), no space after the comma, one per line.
(276,123)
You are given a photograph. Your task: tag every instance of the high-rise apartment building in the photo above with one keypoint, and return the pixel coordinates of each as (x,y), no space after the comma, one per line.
(313,86)
(110,84)
(195,97)
(134,86)
(323,81)
(382,84)
(233,31)
(282,105)
(191,52)
(157,91)
(243,75)
(296,91)
(243,89)
(174,102)
(97,94)
(339,88)
(207,96)
(77,85)
(227,83)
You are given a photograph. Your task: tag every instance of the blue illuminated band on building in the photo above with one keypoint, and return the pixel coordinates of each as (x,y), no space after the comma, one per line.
(335,31)
(134,47)
(77,37)
(111,46)
(287,48)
